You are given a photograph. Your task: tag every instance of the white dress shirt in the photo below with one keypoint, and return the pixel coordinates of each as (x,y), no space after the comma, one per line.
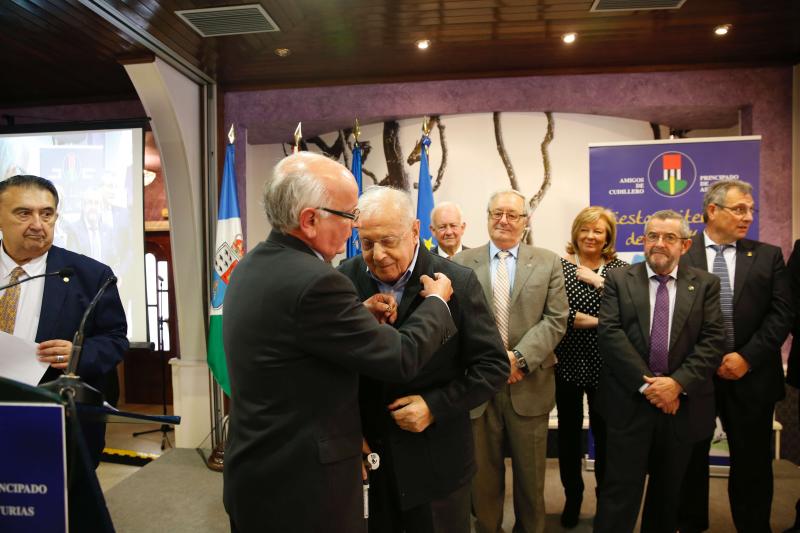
(444,254)
(511,263)
(31,293)
(728,253)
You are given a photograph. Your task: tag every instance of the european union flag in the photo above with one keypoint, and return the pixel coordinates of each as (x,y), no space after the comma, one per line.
(353,244)
(425,196)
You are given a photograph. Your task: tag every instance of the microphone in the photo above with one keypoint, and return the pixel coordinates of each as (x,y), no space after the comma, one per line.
(70,385)
(66,273)
(77,340)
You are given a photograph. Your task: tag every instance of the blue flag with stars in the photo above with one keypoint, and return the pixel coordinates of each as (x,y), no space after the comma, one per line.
(425,196)
(353,244)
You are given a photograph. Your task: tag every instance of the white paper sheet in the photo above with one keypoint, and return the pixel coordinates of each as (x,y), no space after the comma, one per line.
(18,360)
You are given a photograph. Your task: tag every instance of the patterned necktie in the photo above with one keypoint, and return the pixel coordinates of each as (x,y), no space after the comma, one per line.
(720,268)
(659,330)
(8,303)
(501,296)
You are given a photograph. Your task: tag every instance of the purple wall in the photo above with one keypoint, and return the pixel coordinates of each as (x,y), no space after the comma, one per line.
(683,100)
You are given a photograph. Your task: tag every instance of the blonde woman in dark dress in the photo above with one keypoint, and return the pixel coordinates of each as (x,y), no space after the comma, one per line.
(590,255)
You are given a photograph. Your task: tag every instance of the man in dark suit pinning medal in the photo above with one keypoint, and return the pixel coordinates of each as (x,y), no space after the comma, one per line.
(296,338)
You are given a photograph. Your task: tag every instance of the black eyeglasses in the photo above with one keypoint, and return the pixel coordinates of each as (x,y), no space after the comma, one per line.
(344,214)
(739,210)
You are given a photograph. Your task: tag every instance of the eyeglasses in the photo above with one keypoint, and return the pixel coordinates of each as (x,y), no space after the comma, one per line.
(739,210)
(389,242)
(344,214)
(670,238)
(510,215)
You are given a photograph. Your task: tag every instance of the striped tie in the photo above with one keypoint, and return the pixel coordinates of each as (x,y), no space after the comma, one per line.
(502,296)
(725,293)
(8,303)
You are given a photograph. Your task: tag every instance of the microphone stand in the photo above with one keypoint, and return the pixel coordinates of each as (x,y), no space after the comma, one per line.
(70,385)
(165,428)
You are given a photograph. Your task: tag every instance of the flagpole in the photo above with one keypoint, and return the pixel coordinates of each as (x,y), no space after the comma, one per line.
(217,397)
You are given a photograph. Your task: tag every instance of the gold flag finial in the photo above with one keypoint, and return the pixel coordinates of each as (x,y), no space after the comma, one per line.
(231,135)
(298,135)
(356,130)
(426,125)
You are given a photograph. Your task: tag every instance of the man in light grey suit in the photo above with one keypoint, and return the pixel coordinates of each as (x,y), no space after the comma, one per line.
(526,287)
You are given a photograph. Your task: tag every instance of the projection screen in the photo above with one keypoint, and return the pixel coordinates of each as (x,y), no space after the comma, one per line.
(98,175)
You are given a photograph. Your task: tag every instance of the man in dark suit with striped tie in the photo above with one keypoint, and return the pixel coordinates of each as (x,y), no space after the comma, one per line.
(755,297)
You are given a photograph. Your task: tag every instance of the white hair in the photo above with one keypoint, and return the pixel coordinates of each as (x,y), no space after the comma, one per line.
(377,198)
(495,194)
(293,187)
(442,205)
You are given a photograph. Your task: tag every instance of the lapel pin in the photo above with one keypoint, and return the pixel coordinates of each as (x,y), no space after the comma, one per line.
(691,288)
(749,254)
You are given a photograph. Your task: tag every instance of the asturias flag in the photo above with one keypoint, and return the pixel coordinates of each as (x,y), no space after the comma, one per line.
(228,251)
(425,196)
(353,244)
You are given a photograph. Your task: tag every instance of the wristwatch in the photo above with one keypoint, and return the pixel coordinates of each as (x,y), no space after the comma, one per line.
(522,364)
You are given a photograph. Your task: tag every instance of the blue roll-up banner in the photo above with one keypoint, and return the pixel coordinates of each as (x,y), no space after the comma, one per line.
(635,179)
(33,478)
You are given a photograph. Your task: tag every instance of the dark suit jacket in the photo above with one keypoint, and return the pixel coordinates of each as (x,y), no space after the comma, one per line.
(296,337)
(762,316)
(793,370)
(105,341)
(465,372)
(695,347)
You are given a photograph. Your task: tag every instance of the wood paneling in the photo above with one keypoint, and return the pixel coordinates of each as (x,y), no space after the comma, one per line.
(59,49)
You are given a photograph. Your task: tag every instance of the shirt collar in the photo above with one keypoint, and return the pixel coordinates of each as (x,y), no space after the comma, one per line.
(493,249)
(442,253)
(651,273)
(33,267)
(710,242)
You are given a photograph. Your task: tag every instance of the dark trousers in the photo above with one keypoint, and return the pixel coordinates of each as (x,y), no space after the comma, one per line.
(749,431)
(448,514)
(569,400)
(648,445)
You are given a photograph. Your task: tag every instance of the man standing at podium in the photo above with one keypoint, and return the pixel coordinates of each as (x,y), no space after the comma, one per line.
(48,310)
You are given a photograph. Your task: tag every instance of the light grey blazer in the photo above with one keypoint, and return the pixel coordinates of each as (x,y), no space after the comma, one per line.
(537,321)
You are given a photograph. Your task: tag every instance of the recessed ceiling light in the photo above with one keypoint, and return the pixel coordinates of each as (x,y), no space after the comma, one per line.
(722,30)
(423,44)
(282,52)
(570,37)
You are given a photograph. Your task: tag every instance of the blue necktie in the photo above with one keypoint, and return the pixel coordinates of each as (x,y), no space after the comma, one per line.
(720,269)
(659,329)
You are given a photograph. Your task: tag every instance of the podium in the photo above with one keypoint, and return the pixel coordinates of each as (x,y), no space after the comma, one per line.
(47,437)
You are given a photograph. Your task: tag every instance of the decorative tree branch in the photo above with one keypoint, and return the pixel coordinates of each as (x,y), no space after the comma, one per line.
(334,151)
(413,157)
(501,149)
(397,176)
(656,130)
(548,137)
(443,164)
(346,154)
